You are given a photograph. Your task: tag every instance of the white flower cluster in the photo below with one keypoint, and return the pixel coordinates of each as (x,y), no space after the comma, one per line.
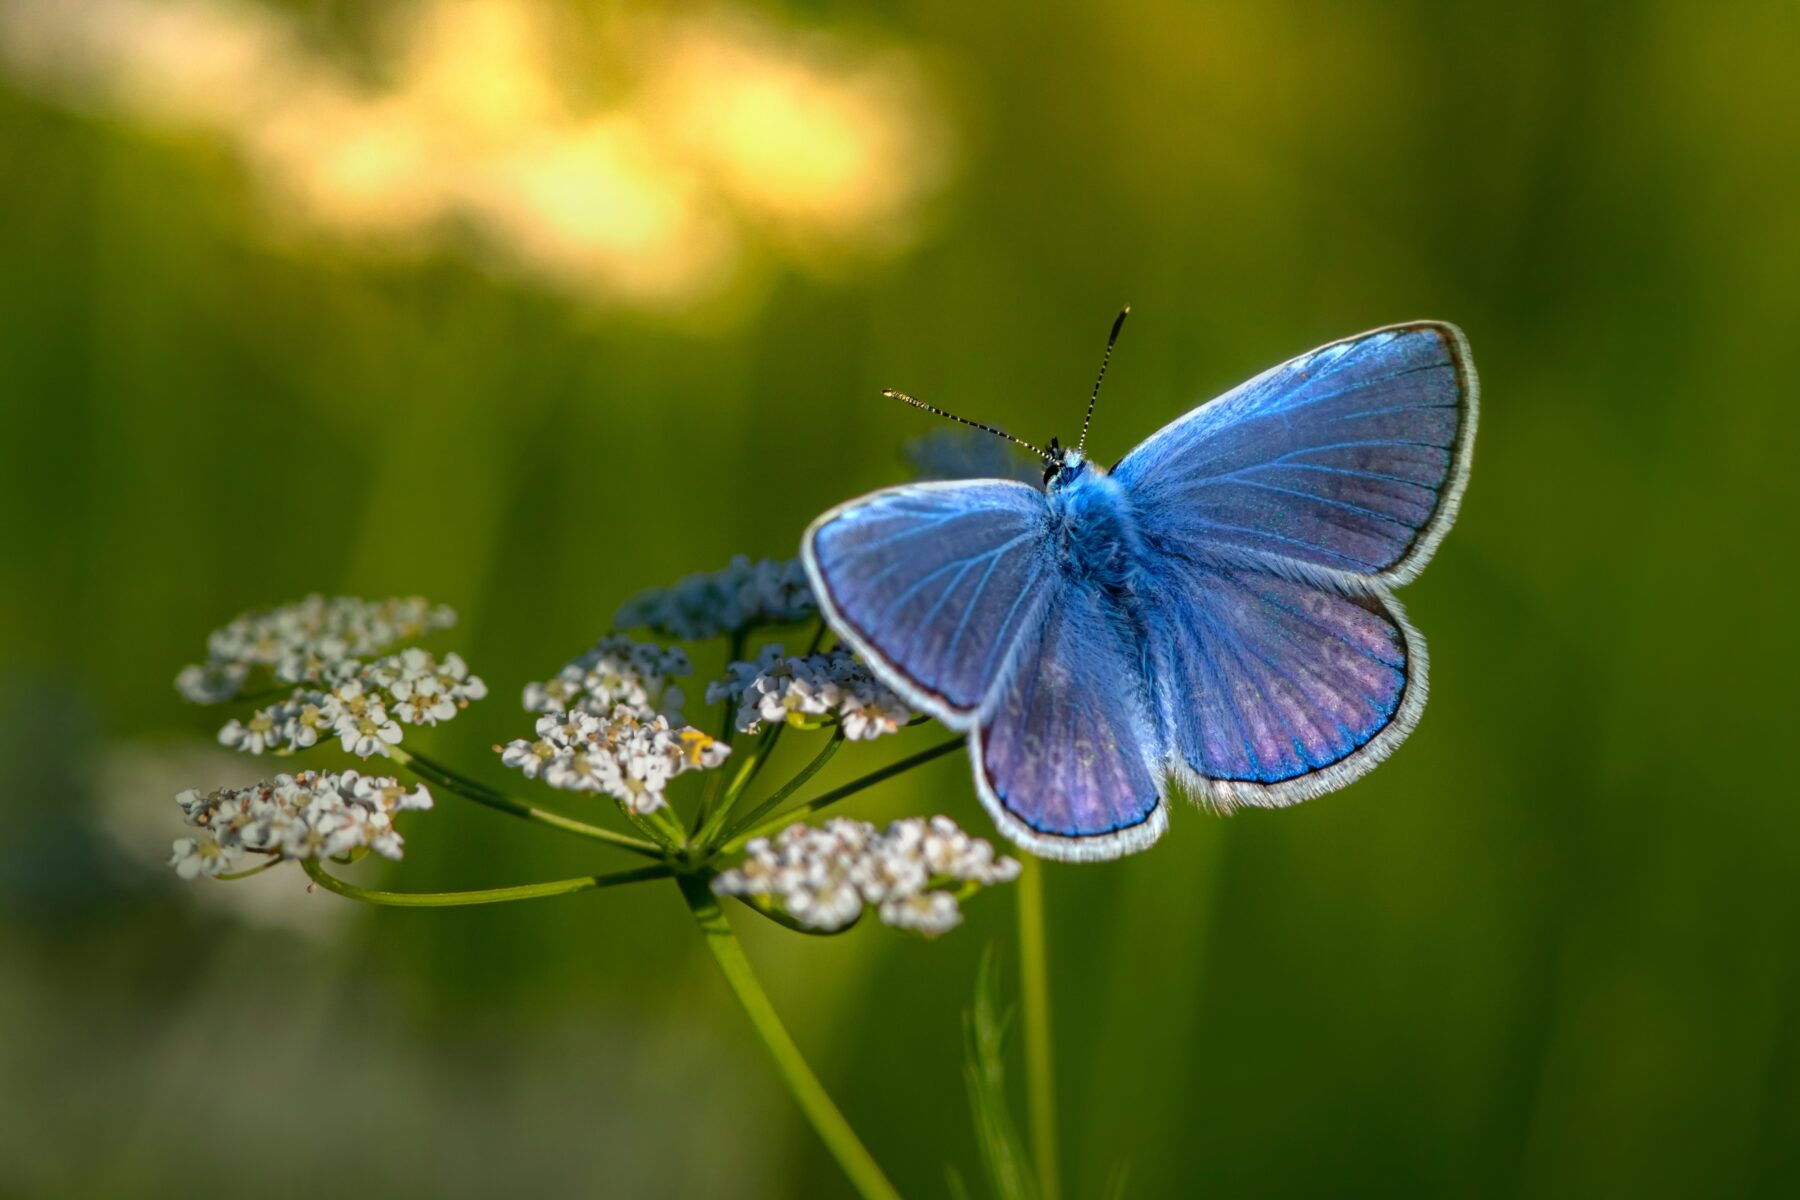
(914,874)
(300,643)
(716,603)
(310,815)
(616,671)
(363,705)
(630,754)
(809,691)
(964,454)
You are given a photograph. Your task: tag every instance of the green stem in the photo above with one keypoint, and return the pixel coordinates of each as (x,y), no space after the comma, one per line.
(664,826)
(1040,1061)
(864,1173)
(642,825)
(770,911)
(780,795)
(715,816)
(526,891)
(764,751)
(233,876)
(709,796)
(774,824)
(754,762)
(480,793)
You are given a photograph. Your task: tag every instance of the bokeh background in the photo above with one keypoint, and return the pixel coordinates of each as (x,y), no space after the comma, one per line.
(525,306)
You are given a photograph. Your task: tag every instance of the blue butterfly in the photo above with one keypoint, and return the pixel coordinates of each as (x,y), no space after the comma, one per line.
(1215,611)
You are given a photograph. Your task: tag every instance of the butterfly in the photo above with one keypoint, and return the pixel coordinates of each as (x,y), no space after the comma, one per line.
(1215,611)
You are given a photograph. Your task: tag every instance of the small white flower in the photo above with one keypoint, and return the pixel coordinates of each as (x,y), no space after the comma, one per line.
(823,877)
(254,736)
(203,855)
(555,695)
(929,913)
(616,671)
(384,794)
(363,725)
(741,596)
(827,901)
(425,691)
(212,683)
(192,803)
(630,755)
(809,691)
(303,642)
(363,706)
(308,815)
(529,757)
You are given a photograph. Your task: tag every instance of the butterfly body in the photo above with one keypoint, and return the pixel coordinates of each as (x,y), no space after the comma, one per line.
(1095,533)
(1216,611)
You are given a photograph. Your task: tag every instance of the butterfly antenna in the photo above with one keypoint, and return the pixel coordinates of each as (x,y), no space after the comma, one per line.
(906,399)
(1111,338)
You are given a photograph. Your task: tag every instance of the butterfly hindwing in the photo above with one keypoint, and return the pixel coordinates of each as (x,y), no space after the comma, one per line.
(1346,462)
(934,583)
(1273,690)
(1067,754)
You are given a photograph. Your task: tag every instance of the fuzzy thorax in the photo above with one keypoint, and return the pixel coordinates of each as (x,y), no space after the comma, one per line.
(1095,529)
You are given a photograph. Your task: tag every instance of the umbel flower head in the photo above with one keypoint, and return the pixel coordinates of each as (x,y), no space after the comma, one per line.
(743,595)
(302,642)
(810,691)
(915,873)
(312,814)
(361,704)
(616,671)
(630,755)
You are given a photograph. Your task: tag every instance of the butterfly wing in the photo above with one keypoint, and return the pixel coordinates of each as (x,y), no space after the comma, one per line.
(1273,690)
(933,584)
(1068,756)
(1345,464)
(1274,520)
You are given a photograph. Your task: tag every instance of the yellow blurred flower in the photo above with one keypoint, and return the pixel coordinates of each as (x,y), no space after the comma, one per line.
(648,161)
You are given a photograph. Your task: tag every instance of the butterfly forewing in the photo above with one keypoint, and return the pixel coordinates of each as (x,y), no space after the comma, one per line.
(933,583)
(1346,461)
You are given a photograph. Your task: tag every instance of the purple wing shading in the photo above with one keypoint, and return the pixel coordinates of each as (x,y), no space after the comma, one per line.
(933,583)
(1067,756)
(1347,462)
(1273,690)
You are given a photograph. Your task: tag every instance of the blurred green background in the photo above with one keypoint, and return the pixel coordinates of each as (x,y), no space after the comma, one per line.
(523,308)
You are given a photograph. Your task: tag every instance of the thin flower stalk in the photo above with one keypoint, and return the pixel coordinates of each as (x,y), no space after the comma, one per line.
(499,895)
(717,803)
(815,1102)
(780,795)
(774,824)
(1040,1060)
(480,793)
